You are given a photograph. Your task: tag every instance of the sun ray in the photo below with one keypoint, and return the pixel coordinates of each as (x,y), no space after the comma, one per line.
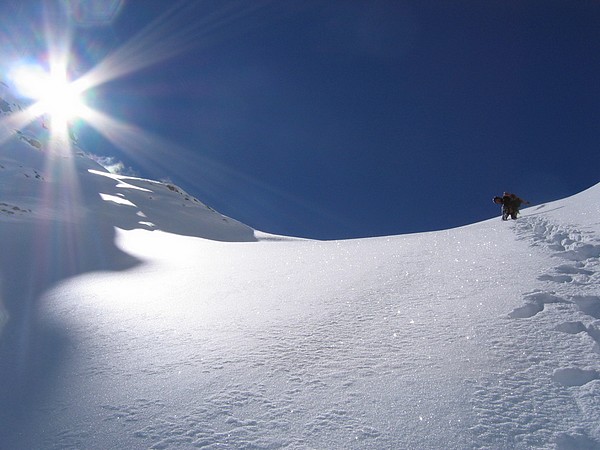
(152,150)
(18,120)
(145,147)
(165,38)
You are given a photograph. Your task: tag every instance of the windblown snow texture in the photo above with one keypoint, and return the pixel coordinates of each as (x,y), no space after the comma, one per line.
(134,316)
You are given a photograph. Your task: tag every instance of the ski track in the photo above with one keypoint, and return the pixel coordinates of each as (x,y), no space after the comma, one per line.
(544,376)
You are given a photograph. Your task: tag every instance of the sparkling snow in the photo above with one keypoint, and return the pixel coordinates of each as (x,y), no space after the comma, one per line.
(133,316)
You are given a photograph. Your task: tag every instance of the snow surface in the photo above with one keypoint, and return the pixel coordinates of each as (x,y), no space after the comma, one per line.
(134,316)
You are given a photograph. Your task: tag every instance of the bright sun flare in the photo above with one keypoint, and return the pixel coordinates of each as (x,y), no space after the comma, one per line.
(58,100)
(56,96)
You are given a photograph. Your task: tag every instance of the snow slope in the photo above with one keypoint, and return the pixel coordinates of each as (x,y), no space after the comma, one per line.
(134,316)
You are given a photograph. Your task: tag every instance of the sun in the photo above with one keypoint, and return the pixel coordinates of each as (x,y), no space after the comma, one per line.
(57,98)
(60,100)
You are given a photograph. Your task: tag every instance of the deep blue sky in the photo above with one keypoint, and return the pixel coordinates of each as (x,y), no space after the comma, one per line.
(335,119)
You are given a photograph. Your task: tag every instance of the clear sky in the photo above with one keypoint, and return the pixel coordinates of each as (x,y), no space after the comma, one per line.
(336,119)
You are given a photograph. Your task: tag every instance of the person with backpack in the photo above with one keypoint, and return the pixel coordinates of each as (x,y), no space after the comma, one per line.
(511,204)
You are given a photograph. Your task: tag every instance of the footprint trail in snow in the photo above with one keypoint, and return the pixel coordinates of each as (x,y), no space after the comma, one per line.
(561,314)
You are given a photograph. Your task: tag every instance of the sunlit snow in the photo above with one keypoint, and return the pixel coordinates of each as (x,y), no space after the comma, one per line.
(134,316)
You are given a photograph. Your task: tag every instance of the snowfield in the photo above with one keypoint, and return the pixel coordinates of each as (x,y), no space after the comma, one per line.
(135,317)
